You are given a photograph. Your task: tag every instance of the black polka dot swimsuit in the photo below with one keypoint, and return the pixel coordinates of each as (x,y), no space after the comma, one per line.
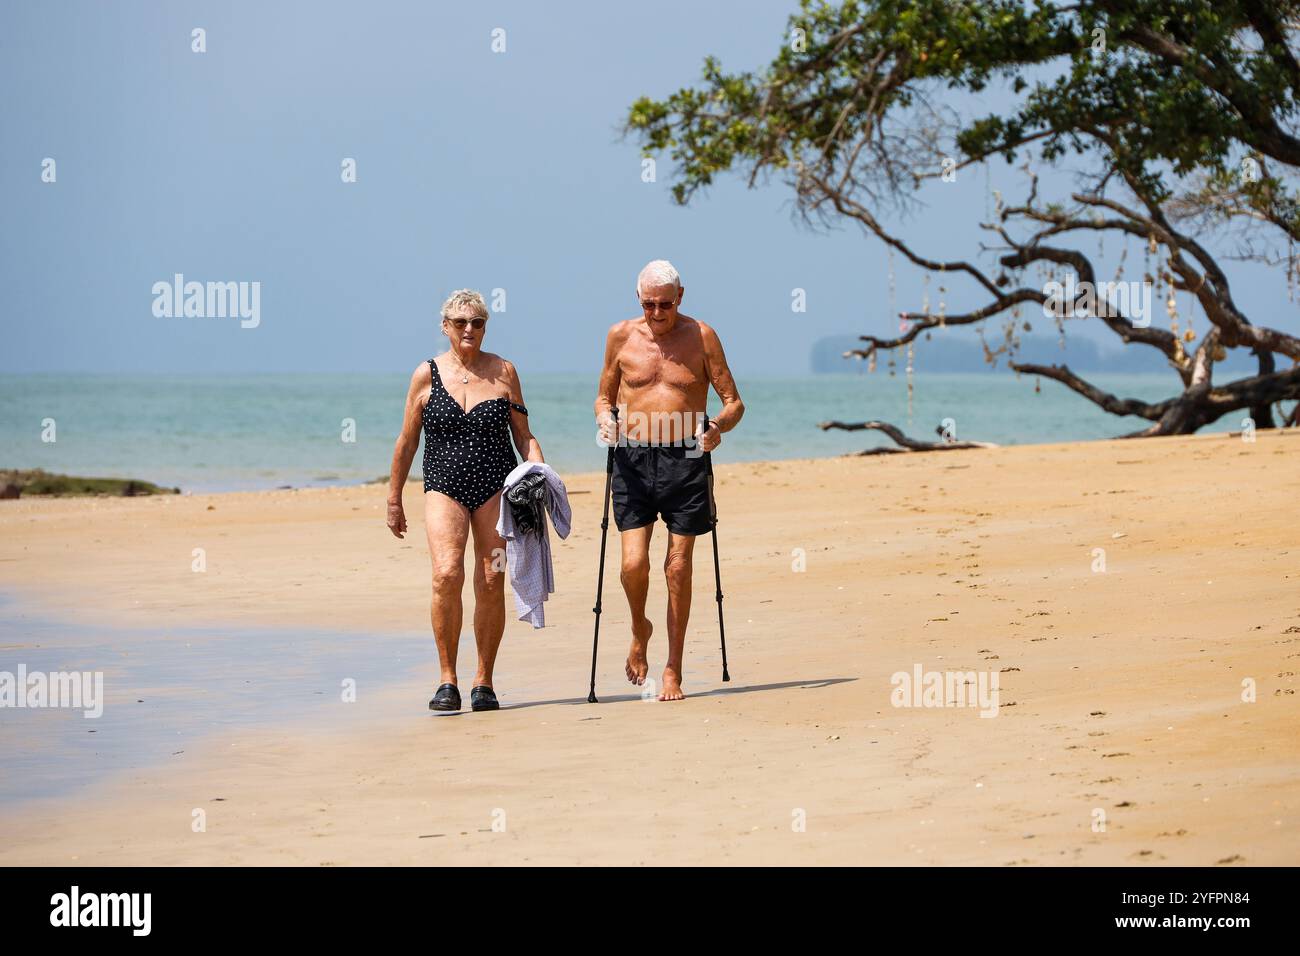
(467,454)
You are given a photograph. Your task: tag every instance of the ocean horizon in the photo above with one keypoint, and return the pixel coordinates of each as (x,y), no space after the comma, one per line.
(221,432)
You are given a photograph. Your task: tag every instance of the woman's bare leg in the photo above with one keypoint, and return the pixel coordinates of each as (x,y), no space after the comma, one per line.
(446,522)
(489,588)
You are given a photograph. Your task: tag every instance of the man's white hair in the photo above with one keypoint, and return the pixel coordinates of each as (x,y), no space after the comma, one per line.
(463,298)
(659,272)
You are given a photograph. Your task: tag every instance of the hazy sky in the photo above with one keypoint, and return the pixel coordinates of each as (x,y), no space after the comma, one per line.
(474,168)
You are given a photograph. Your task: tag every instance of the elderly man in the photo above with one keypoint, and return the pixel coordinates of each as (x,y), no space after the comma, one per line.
(658,368)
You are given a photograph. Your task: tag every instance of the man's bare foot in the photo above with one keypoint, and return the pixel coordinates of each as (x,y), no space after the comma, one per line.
(672,686)
(637,664)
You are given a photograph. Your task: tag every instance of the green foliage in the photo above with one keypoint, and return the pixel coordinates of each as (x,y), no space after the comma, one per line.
(1181,86)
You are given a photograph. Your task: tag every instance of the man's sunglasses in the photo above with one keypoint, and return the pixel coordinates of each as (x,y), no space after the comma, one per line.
(460,324)
(657,306)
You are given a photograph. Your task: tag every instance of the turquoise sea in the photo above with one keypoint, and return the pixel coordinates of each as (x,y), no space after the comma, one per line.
(243,432)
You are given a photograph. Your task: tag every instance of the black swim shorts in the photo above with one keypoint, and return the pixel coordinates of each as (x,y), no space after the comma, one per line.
(671,480)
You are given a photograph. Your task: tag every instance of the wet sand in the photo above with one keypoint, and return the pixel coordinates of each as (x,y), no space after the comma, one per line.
(1121,735)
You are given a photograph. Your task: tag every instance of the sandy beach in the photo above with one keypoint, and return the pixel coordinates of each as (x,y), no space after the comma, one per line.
(1120,690)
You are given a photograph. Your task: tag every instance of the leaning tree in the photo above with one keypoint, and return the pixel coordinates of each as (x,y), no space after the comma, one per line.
(1175,118)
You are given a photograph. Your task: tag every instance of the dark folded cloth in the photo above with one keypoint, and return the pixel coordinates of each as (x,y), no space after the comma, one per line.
(527,501)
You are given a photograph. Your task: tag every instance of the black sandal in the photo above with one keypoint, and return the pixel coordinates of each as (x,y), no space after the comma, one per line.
(447,697)
(483,698)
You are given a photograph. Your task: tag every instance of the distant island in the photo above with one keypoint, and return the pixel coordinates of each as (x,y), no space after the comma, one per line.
(959,351)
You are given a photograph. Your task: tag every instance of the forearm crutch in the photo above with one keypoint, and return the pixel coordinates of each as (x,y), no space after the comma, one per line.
(600,574)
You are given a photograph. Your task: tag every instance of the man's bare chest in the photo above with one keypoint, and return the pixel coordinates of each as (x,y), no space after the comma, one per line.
(645,365)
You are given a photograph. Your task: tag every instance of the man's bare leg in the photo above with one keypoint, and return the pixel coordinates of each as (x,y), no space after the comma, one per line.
(489,588)
(677,572)
(446,524)
(635,575)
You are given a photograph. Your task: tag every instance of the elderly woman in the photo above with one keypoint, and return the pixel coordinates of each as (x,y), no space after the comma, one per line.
(470,406)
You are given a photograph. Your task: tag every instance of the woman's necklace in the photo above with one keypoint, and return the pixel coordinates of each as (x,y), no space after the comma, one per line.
(465,372)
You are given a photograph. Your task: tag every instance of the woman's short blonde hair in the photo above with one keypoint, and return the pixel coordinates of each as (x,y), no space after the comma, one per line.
(463,298)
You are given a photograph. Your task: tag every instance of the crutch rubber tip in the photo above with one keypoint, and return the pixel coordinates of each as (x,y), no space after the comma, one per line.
(591,698)
(726,678)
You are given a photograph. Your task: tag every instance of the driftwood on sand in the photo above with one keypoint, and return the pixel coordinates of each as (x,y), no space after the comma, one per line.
(907,444)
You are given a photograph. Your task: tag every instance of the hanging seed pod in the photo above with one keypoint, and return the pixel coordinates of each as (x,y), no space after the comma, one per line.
(911,354)
(1147,250)
(893,308)
(1291,269)
(942,300)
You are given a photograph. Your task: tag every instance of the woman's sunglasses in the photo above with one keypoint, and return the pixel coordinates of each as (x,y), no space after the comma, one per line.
(460,324)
